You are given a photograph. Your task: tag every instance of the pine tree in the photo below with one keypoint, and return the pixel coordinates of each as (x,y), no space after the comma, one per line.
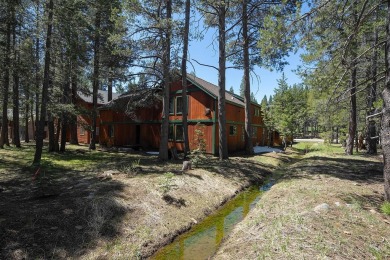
(45,88)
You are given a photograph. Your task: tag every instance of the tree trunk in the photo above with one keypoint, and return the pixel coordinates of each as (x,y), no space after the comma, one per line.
(385,133)
(45,88)
(15,90)
(223,149)
(65,101)
(163,151)
(109,88)
(184,77)
(371,98)
(73,118)
(57,135)
(247,88)
(7,61)
(50,128)
(37,103)
(37,83)
(32,123)
(337,134)
(26,115)
(53,140)
(95,83)
(352,113)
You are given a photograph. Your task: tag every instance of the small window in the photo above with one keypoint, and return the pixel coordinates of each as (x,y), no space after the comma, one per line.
(97,130)
(179,105)
(170,132)
(179,133)
(243,133)
(254,132)
(257,112)
(82,130)
(110,131)
(232,130)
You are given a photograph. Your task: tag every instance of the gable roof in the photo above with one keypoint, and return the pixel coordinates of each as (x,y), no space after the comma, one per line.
(102,96)
(212,90)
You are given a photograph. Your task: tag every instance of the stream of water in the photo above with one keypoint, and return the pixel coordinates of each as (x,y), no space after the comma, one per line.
(203,240)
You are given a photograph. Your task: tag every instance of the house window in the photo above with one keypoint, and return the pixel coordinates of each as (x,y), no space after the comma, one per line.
(97,131)
(243,133)
(257,112)
(170,132)
(82,130)
(172,105)
(110,131)
(179,105)
(179,133)
(176,105)
(254,132)
(232,130)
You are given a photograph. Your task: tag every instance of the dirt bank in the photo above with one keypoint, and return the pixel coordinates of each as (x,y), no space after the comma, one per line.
(325,206)
(70,209)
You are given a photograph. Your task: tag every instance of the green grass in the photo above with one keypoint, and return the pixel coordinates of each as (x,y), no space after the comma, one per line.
(386,208)
(308,147)
(74,158)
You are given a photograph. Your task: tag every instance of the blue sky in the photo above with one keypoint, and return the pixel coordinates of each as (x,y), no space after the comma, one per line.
(204,52)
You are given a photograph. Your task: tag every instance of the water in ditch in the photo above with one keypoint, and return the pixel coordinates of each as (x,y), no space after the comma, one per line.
(202,241)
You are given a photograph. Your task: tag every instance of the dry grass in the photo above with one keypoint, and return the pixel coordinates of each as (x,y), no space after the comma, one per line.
(69,212)
(285,226)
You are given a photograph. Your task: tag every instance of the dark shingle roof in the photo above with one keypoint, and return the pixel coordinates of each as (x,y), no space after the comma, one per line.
(212,90)
(134,99)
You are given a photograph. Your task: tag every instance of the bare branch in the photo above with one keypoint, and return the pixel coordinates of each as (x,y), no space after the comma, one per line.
(210,66)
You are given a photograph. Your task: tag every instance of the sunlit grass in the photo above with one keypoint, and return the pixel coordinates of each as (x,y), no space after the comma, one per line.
(308,147)
(75,157)
(386,208)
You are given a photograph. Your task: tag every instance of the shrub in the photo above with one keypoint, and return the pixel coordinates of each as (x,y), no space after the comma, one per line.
(386,208)
(167,182)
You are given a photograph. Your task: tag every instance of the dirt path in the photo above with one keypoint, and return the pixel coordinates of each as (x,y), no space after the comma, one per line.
(325,205)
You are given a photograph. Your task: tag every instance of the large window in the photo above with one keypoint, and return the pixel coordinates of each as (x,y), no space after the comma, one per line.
(176,133)
(176,105)
(179,133)
(171,132)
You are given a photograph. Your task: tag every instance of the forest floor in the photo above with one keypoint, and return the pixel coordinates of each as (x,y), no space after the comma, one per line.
(73,208)
(324,206)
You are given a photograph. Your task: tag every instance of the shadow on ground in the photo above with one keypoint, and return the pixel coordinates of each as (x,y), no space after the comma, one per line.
(57,213)
(353,169)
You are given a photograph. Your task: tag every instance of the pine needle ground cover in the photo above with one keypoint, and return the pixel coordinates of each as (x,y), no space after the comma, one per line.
(325,206)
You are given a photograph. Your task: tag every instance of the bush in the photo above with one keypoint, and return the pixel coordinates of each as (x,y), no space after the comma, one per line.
(386,208)
(167,183)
